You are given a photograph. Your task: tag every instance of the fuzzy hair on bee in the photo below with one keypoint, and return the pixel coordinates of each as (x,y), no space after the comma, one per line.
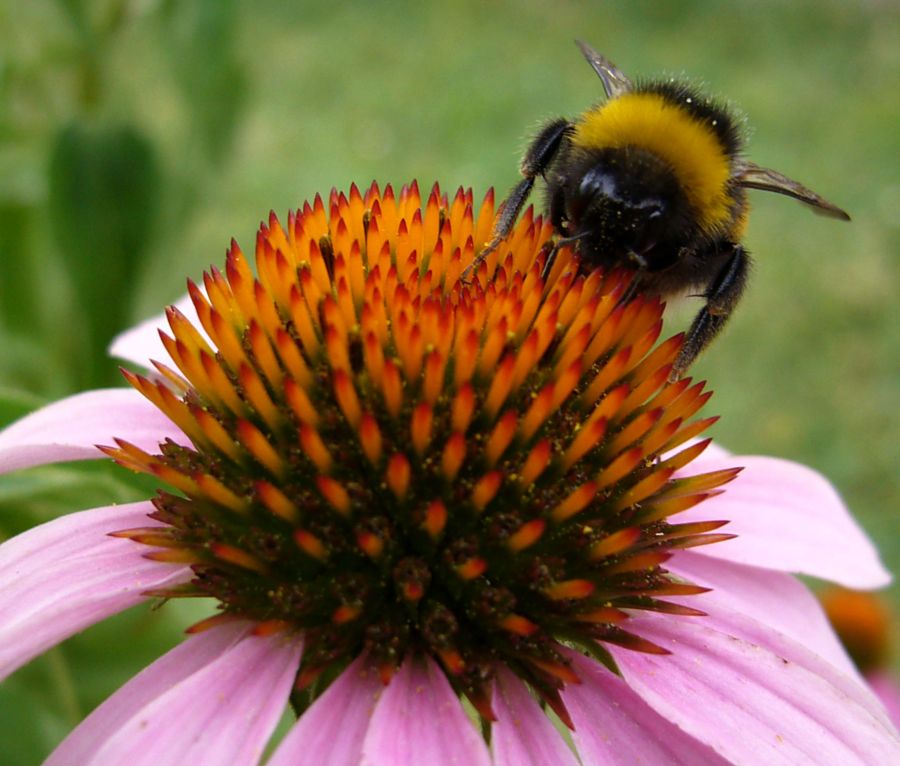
(652,179)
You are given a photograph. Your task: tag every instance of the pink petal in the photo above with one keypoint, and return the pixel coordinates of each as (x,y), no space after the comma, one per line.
(789,518)
(419,720)
(888,691)
(523,734)
(184,660)
(772,704)
(332,731)
(773,599)
(613,725)
(789,649)
(69,429)
(141,343)
(222,712)
(60,577)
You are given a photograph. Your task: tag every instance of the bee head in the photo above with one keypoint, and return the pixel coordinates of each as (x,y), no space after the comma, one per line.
(628,207)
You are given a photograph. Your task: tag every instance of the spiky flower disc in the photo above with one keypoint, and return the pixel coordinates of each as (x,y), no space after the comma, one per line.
(389,460)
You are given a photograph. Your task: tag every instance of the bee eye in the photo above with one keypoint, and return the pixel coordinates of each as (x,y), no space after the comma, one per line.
(599,182)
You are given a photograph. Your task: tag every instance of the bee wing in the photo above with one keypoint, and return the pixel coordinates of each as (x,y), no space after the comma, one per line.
(752,176)
(614,82)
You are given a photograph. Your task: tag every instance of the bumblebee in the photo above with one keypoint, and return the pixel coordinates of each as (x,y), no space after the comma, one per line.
(652,179)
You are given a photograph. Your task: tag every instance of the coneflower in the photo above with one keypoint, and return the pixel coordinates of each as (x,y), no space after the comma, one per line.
(403,490)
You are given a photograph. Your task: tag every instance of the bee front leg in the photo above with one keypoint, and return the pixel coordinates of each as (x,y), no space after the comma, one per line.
(722,296)
(538,157)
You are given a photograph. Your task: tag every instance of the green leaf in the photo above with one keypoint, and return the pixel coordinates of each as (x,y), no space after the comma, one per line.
(213,80)
(30,725)
(104,183)
(17,278)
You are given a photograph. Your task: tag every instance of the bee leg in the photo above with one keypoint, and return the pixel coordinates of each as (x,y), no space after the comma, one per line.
(537,159)
(551,259)
(640,270)
(632,288)
(722,296)
(553,251)
(557,206)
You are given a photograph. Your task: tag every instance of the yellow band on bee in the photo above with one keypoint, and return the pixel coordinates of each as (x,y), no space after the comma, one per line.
(649,121)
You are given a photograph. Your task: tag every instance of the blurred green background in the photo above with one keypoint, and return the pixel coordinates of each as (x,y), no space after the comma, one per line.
(136,138)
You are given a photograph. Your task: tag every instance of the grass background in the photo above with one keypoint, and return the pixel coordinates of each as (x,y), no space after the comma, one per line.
(136,138)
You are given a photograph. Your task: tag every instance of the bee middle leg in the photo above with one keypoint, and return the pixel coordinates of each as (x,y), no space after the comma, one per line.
(722,296)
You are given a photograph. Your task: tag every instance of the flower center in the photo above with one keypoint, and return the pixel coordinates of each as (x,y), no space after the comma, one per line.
(390,460)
